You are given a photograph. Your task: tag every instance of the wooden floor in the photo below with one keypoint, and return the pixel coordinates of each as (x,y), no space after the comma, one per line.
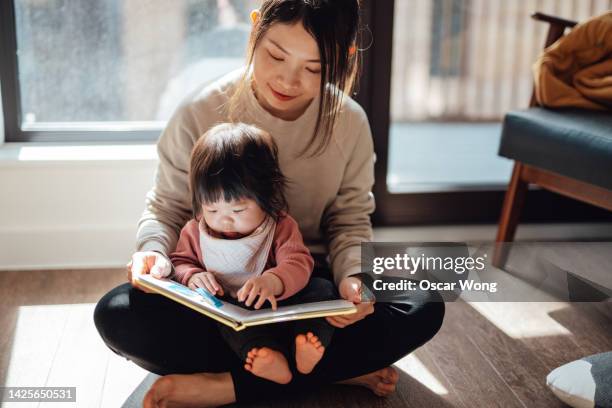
(486,354)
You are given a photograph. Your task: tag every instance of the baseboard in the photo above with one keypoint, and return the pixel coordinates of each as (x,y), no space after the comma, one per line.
(486,232)
(97,246)
(66,248)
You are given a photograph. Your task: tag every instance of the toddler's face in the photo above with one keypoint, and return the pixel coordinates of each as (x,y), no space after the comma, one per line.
(233,219)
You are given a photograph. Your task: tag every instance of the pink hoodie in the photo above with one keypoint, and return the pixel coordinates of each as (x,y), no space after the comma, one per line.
(289,258)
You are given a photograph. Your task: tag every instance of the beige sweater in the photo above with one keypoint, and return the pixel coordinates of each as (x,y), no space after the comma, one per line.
(329,195)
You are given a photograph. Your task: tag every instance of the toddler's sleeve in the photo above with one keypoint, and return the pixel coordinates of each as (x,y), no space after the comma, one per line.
(186,259)
(293,260)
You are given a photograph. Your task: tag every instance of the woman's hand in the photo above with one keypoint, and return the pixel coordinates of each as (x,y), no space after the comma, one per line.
(205,280)
(147,262)
(267,286)
(350,289)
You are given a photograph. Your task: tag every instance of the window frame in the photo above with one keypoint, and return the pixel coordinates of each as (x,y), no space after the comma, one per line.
(122,132)
(8,71)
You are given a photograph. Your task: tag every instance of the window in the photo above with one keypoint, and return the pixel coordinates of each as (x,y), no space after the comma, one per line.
(435,97)
(108,70)
(457,67)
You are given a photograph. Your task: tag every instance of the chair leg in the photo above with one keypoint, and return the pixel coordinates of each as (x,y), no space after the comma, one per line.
(511,212)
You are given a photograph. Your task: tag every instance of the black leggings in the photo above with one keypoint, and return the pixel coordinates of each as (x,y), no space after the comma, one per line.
(165,337)
(281,336)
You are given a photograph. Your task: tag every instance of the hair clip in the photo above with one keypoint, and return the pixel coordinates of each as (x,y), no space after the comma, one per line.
(254,16)
(352,50)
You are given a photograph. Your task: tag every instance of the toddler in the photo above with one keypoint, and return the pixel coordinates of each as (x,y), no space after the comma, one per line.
(243,247)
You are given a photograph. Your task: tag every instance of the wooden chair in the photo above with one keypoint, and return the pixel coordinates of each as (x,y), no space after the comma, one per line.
(551,176)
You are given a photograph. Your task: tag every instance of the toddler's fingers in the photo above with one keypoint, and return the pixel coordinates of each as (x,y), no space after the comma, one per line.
(252,295)
(261,300)
(213,282)
(199,282)
(272,300)
(244,291)
(209,287)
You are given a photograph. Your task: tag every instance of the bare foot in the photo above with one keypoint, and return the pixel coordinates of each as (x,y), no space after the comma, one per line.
(308,352)
(194,390)
(269,364)
(381,382)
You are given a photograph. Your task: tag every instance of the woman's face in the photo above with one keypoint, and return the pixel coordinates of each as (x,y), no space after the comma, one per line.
(286,70)
(233,219)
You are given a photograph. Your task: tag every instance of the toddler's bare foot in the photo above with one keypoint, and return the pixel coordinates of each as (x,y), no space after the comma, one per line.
(269,364)
(381,382)
(308,352)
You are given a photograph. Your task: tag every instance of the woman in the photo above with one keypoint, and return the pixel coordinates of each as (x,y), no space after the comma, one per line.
(301,67)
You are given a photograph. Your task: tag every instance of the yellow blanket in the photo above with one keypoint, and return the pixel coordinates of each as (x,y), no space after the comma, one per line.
(576,71)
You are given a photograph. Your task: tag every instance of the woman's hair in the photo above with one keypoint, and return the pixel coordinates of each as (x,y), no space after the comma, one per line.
(234,161)
(334,25)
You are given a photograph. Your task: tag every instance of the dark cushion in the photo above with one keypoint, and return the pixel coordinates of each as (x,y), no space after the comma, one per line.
(572,142)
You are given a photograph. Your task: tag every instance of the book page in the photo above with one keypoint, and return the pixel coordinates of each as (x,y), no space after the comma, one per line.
(288,312)
(240,315)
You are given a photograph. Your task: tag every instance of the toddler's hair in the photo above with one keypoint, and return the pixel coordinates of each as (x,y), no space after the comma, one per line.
(234,161)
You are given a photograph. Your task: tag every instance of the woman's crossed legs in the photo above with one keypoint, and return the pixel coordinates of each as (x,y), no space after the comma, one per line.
(166,338)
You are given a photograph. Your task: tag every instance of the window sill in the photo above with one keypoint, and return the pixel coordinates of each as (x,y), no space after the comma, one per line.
(18,154)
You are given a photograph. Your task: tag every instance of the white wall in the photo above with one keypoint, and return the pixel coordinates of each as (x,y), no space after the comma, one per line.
(70,213)
(63,209)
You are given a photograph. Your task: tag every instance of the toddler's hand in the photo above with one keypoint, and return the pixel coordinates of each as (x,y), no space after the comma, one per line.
(266,286)
(205,280)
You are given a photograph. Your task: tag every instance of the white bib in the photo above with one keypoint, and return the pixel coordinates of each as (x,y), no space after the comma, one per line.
(234,261)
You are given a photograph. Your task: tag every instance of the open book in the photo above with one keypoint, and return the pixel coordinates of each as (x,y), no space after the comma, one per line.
(237,317)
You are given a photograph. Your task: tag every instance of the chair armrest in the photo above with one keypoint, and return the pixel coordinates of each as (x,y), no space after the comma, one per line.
(553,20)
(557,26)
(555,31)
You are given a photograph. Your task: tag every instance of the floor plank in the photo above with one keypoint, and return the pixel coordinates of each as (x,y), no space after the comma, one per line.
(591,330)
(121,379)
(37,337)
(485,354)
(422,383)
(518,367)
(474,379)
(81,359)
(530,323)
